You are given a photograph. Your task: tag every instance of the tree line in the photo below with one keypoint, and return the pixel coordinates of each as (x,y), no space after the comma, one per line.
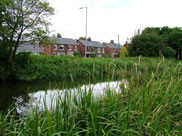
(157,41)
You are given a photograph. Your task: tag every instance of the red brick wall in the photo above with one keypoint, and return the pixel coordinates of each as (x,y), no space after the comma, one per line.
(48,50)
(107,49)
(81,49)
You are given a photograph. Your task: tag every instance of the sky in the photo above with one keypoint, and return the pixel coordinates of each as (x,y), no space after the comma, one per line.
(109,18)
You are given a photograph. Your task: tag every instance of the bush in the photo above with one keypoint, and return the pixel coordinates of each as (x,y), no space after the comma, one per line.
(22,58)
(124,52)
(77,53)
(94,54)
(106,56)
(168,52)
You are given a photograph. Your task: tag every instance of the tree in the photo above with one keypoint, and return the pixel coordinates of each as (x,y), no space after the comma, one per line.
(18,18)
(82,38)
(175,41)
(59,35)
(171,37)
(145,44)
(123,53)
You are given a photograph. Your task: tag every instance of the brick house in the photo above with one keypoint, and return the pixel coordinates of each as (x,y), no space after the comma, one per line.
(113,49)
(61,46)
(86,48)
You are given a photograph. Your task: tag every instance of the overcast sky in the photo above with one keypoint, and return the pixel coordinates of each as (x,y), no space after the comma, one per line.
(109,18)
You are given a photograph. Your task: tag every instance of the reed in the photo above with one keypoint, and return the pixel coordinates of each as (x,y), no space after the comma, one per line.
(151,105)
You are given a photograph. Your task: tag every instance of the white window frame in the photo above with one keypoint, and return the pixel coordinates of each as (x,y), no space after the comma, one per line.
(62,47)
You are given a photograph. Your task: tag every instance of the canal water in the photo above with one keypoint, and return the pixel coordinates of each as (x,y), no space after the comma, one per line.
(24,95)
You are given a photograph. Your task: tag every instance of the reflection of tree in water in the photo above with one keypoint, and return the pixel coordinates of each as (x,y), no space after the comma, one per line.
(17,93)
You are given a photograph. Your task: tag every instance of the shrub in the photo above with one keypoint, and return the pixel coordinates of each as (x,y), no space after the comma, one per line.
(168,52)
(94,54)
(22,58)
(77,53)
(124,52)
(106,56)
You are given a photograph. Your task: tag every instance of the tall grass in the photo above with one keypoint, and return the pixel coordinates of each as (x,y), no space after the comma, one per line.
(61,67)
(152,105)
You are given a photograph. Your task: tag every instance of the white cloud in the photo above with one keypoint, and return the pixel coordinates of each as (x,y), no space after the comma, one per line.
(106,22)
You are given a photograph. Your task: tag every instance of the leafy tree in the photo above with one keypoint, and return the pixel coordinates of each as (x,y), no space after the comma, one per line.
(123,53)
(168,52)
(59,35)
(82,38)
(175,41)
(145,44)
(171,37)
(18,18)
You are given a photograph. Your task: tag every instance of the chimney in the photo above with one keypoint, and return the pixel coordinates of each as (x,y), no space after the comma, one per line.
(112,41)
(89,39)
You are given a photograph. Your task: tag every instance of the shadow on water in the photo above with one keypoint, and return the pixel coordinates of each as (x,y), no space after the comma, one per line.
(19,94)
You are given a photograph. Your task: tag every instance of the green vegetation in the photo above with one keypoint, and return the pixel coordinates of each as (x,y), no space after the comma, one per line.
(77,53)
(157,41)
(42,67)
(22,20)
(61,67)
(94,54)
(151,105)
(124,52)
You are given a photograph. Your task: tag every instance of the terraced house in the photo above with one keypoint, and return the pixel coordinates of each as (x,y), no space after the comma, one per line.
(88,47)
(61,46)
(113,49)
(28,46)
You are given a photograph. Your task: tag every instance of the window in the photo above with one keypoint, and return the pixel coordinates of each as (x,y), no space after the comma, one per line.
(61,47)
(69,47)
(102,50)
(76,48)
(98,50)
(55,47)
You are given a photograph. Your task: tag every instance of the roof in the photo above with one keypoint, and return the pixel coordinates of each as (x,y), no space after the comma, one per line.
(67,41)
(114,45)
(92,43)
(28,47)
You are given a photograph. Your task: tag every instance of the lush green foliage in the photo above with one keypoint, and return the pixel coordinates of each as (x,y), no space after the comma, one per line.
(124,52)
(168,52)
(148,45)
(106,56)
(61,67)
(77,53)
(94,54)
(167,37)
(151,105)
(20,19)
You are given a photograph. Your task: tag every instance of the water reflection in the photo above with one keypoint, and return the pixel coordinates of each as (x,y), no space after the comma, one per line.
(48,98)
(23,95)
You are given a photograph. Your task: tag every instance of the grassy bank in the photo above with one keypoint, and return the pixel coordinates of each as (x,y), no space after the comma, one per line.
(45,67)
(152,105)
